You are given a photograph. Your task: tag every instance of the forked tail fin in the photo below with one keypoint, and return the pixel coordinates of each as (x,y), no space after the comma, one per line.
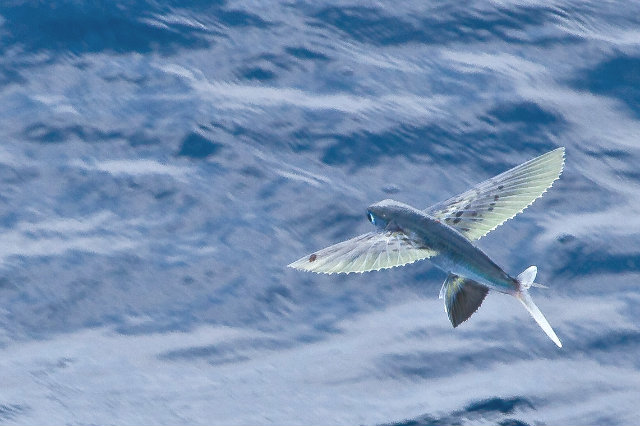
(526,280)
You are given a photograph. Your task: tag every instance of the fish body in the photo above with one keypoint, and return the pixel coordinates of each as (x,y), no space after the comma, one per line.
(456,254)
(444,233)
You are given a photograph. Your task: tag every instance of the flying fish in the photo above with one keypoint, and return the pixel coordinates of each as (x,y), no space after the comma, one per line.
(444,234)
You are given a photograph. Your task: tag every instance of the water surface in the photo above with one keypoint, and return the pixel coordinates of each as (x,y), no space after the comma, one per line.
(161,163)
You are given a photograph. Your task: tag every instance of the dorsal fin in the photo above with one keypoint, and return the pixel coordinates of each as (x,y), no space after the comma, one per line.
(462,297)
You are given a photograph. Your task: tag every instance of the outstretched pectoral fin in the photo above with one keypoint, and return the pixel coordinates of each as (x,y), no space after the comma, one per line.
(487,205)
(462,297)
(367,252)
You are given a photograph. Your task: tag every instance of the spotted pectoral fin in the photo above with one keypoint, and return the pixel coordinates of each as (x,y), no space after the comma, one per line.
(462,297)
(489,204)
(367,252)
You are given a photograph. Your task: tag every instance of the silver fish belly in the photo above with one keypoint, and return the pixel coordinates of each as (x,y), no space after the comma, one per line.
(456,254)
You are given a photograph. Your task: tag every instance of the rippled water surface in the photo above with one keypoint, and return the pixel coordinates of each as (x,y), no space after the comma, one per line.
(161,163)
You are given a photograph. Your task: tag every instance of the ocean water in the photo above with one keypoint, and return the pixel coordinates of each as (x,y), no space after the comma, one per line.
(161,162)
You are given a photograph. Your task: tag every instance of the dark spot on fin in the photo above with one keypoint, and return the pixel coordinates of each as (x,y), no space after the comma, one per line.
(459,213)
(474,214)
(313,257)
(457,220)
(495,197)
(501,187)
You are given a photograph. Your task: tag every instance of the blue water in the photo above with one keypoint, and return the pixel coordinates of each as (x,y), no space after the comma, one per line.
(161,163)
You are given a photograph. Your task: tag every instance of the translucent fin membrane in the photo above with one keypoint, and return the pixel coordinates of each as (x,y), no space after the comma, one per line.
(462,297)
(367,252)
(489,204)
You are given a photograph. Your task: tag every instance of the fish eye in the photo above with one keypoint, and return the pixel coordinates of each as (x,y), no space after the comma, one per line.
(371,218)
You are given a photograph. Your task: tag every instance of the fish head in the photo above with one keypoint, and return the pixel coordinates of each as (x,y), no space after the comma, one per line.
(378,220)
(383,213)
